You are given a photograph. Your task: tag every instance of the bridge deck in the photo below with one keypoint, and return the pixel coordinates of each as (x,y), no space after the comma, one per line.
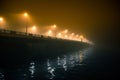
(19,47)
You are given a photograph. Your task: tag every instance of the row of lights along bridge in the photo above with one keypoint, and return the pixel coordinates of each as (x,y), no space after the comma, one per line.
(51,32)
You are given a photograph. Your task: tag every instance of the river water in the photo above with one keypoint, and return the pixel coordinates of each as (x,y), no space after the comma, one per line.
(90,63)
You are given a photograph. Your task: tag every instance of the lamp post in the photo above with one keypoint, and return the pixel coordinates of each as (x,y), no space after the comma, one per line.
(59,35)
(66,31)
(54,27)
(33,29)
(81,38)
(1,21)
(49,33)
(72,35)
(77,37)
(26,17)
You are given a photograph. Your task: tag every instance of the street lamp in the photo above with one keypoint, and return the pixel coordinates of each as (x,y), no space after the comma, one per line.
(26,17)
(25,14)
(81,38)
(59,35)
(72,34)
(54,27)
(49,33)
(77,37)
(33,29)
(66,36)
(66,31)
(1,21)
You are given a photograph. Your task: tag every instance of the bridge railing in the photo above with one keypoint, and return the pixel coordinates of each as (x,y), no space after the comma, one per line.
(24,34)
(11,32)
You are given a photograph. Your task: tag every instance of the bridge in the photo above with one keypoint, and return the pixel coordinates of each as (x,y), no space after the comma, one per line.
(20,48)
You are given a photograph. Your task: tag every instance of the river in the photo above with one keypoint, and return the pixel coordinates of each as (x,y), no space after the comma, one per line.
(90,63)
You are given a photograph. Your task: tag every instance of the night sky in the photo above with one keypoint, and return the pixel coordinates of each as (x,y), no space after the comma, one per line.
(98,20)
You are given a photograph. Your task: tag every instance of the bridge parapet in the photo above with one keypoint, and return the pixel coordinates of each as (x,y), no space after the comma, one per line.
(20,47)
(11,33)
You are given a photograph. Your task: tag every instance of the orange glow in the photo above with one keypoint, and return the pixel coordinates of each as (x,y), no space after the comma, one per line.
(66,36)
(34,28)
(25,14)
(49,33)
(2,23)
(72,34)
(53,32)
(59,34)
(54,26)
(77,35)
(81,37)
(66,31)
(1,19)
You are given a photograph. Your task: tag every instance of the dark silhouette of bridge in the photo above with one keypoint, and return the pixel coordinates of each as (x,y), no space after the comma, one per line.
(17,46)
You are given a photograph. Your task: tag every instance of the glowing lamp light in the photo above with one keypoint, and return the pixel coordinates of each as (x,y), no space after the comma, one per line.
(66,36)
(25,14)
(34,28)
(49,32)
(66,30)
(81,37)
(1,19)
(72,34)
(54,26)
(59,34)
(77,35)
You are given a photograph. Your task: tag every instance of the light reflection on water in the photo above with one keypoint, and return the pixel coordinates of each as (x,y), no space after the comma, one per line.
(65,62)
(52,68)
(32,69)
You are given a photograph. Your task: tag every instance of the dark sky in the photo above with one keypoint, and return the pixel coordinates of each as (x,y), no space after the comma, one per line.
(97,19)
